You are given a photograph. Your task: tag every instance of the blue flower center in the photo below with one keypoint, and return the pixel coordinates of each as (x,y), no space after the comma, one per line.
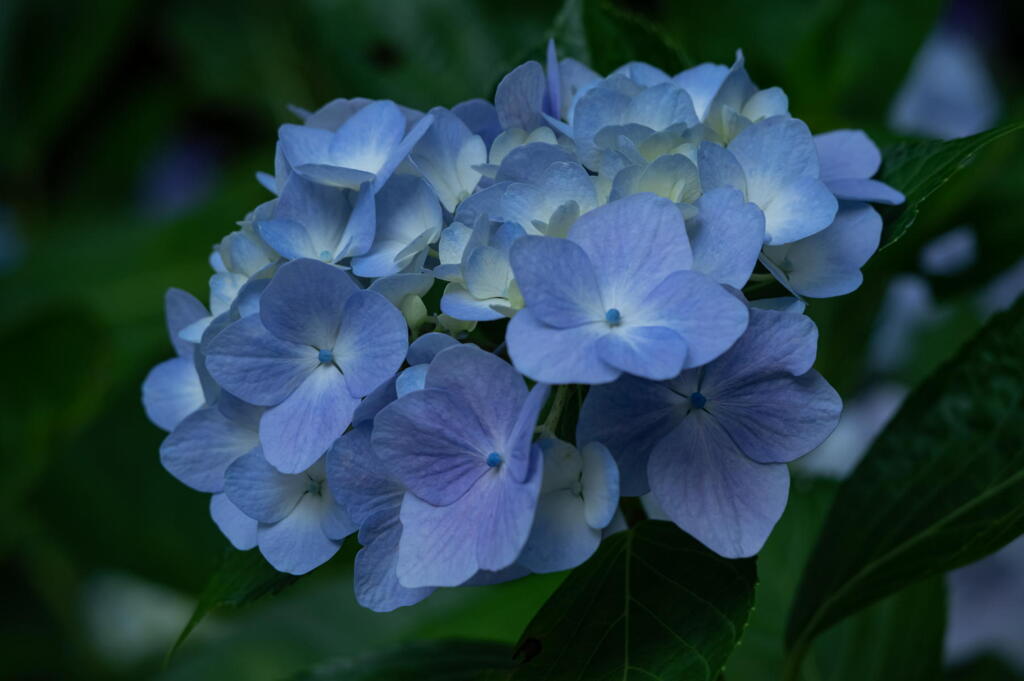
(613,316)
(698,401)
(326,356)
(325,255)
(314,487)
(494,459)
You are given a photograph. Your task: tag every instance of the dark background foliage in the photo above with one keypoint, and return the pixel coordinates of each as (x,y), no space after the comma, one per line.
(133,130)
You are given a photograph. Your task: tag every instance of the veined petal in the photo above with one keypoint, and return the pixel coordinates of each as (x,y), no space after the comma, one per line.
(298,431)
(557,281)
(260,490)
(297,544)
(303,303)
(201,448)
(371,343)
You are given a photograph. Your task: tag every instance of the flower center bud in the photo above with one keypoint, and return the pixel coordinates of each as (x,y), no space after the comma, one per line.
(314,487)
(613,316)
(326,356)
(494,459)
(698,401)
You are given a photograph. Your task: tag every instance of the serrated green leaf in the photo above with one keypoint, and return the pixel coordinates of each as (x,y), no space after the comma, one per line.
(941,487)
(241,577)
(919,168)
(452,660)
(653,603)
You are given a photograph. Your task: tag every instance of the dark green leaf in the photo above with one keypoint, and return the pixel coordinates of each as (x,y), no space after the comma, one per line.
(451,660)
(919,168)
(653,603)
(603,36)
(904,632)
(941,487)
(241,577)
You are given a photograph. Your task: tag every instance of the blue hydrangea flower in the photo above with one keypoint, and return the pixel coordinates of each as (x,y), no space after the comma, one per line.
(849,159)
(462,447)
(172,389)
(322,222)
(447,156)
(475,262)
(318,344)
(372,498)
(550,203)
(618,296)
(673,176)
(711,444)
(737,102)
(774,163)
(828,263)
(300,525)
(364,150)
(405,290)
(240,257)
(579,497)
(408,222)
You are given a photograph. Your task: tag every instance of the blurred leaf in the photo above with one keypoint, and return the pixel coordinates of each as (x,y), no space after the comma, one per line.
(941,487)
(53,382)
(241,577)
(599,34)
(919,168)
(652,603)
(451,660)
(904,632)
(840,62)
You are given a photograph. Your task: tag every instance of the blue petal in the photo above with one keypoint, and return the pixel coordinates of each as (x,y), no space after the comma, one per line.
(202,447)
(701,82)
(560,538)
(719,168)
(828,263)
(239,528)
(519,98)
(446,156)
(376,580)
(872,191)
(459,303)
(485,529)
(633,243)
(600,485)
(715,493)
(304,302)
(653,352)
(557,281)
(260,490)
(298,431)
(359,480)
(528,162)
(558,356)
(297,544)
(181,310)
(302,145)
(367,139)
(433,443)
(847,154)
(372,342)
(726,236)
(171,392)
(774,342)
(322,213)
(251,363)
(406,210)
(425,348)
(481,117)
(411,379)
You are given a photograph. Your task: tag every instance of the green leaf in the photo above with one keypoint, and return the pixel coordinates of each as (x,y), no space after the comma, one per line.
(451,660)
(599,34)
(941,487)
(919,168)
(904,632)
(653,603)
(241,577)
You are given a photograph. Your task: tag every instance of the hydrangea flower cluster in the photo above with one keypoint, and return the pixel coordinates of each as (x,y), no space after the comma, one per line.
(392,337)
